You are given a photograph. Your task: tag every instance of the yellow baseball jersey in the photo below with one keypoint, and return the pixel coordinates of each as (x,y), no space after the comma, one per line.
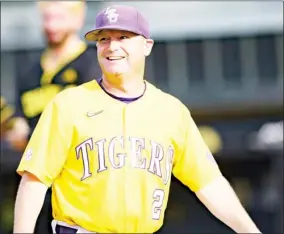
(110,163)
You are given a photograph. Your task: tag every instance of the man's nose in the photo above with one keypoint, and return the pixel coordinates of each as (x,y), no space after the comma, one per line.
(113,45)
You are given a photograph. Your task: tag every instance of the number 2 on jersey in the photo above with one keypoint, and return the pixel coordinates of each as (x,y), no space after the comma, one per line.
(158,197)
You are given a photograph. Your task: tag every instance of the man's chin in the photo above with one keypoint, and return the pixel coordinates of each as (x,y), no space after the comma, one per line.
(117,72)
(54,43)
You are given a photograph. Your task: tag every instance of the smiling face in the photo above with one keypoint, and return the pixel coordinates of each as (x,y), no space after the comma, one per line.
(121,52)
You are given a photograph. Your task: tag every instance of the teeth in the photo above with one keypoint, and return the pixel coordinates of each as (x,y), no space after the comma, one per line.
(115,57)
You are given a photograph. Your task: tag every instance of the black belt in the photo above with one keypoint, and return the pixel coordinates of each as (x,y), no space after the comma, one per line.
(59,229)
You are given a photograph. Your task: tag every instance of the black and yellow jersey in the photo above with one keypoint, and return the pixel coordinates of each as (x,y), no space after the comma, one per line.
(36,87)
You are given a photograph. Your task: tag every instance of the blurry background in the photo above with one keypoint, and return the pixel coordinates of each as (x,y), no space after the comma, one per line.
(224,60)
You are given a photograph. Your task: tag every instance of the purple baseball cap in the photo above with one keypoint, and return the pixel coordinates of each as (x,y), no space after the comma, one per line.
(118,17)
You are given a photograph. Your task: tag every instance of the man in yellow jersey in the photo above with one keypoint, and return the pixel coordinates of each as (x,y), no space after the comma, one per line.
(108,148)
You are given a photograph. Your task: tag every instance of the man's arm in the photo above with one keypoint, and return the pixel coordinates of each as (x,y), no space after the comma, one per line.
(17,136)
(41,163)
(14,129)
(221,200)
(196,167)
(29,202)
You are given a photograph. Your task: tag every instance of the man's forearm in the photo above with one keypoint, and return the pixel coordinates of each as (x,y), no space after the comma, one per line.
(223,203)
(29,202)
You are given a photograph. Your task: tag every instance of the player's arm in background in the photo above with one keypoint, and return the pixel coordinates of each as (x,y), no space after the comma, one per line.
(7,111)
(196,168)
(18,133)
(41,163)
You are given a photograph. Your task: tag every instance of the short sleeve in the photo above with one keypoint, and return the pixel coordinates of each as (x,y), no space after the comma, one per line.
(195,166)
(47,150)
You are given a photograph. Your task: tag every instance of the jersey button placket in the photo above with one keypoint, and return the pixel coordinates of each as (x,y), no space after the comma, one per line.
(124,130)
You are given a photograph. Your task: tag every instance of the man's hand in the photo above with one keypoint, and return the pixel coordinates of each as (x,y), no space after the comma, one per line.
(14,130)
(17,136)
(7,112)
(221,200)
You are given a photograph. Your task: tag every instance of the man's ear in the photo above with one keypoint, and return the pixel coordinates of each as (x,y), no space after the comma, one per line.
(149,43)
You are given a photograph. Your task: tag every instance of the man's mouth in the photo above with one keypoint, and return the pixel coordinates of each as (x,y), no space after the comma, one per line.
(114,58)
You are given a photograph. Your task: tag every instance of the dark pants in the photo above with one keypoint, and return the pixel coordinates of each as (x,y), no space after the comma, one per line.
(65,230)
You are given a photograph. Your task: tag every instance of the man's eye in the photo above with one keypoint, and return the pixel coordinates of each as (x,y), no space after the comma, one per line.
(123,37)
(103,39)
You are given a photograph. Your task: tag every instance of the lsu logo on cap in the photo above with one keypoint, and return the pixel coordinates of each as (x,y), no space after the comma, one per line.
(111,15)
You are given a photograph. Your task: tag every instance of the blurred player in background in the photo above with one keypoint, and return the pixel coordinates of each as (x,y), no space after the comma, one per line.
(7,112)
(108,147)
(66,62)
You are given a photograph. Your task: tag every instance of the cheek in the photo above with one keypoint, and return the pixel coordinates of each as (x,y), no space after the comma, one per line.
(66,25)
(73,23)
(130,49)
(99,53)
(137,54)
(50,26)
(100,57)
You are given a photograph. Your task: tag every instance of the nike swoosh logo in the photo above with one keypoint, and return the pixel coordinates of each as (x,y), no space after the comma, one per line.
(92,114)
